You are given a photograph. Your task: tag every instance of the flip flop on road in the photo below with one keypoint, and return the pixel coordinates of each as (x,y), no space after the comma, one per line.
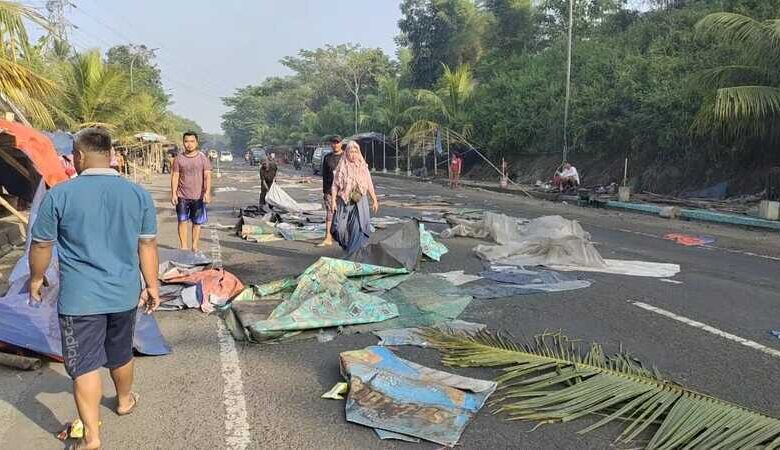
(129,410)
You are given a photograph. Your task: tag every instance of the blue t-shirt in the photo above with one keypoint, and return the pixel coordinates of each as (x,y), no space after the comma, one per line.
(96,221)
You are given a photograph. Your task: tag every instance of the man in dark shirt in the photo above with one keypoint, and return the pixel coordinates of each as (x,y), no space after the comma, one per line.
(268,170)
(329,163)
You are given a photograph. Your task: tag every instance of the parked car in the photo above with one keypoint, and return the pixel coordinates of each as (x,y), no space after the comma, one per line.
(225,157)
(258,154)
(317,157)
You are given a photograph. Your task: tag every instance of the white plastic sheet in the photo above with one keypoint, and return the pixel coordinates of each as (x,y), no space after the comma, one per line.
(277,197)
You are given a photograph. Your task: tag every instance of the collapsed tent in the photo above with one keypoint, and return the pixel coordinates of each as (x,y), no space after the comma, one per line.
(36,329)
(551,241)
(395,395)
(189,281)
(354,297)
(401,245)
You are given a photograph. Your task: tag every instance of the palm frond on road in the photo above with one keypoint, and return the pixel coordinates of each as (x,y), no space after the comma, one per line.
(551,379)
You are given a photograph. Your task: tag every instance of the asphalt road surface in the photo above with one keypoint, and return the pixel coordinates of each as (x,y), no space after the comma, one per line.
(214,393)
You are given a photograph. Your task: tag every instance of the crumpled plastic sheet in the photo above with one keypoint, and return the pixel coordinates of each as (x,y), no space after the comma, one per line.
(278,198)
(688,240)
(512,281)
(430,248)
(325,297)
(414,336)
(458,277)
(396,395)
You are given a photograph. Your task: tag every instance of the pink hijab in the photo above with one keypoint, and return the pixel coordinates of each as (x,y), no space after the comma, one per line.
(352,175)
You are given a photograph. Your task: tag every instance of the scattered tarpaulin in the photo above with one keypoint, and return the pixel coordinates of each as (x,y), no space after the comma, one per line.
(458,277)
(558,244)
(775,333)
(392,394)
(355,297)
(415,336)
(689,240)
(216,286)
(324,296)
(509,281)
(278,198)
(396,246)
(266,230)
(430,248)
(36,329)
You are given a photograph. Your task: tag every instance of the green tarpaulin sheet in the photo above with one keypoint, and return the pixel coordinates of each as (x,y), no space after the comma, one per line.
(431,248)
(352,296)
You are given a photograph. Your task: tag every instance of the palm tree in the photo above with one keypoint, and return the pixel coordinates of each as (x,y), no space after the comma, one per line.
(144,113)
(746,97)
(94,93)
(447,107)
(391,110)
(22,87)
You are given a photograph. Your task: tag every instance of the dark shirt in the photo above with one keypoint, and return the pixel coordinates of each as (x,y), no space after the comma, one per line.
(329,164)
(268,172)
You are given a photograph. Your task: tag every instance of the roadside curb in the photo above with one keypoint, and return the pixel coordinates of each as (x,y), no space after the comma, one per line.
(697,215)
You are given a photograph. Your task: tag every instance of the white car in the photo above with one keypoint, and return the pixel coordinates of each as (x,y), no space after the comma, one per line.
(226,157)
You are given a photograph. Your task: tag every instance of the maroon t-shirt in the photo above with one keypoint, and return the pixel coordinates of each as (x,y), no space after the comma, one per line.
(192,179)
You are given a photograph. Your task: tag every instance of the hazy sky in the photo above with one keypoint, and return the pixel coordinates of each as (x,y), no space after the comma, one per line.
(208,48)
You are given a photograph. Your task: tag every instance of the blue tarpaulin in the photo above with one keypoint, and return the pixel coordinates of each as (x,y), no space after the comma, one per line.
(393,394)
(37,328)
(63,141)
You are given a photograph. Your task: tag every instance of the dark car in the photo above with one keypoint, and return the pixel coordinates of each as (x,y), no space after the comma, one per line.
(317,157)
(258,154)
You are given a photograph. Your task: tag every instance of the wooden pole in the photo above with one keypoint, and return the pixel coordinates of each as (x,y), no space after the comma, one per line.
(384,153)
(435,151)
(20,362)
(13,211)
(625,173)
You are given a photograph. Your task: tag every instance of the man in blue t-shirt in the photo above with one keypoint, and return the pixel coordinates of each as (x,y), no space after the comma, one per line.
(105,230)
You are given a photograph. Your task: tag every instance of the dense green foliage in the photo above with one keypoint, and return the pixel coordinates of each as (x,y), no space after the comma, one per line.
(56,88)
(674,86)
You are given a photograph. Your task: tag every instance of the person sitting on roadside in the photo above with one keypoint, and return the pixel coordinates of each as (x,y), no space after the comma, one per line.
(566,178)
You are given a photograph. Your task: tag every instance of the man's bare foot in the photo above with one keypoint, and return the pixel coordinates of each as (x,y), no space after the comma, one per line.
(195,250)
(325,243)
(127,406)
(86,444)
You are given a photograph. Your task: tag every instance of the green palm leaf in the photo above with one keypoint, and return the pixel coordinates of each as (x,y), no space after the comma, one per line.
(551,379)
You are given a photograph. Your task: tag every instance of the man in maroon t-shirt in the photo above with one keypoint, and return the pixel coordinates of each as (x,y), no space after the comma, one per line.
(191,189)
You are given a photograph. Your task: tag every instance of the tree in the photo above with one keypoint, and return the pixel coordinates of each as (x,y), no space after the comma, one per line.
(512,26)
(352,67)
(21,85)
(746,97)
(93,93)
(447,108)
(146,75)
(440,32)
(333,118)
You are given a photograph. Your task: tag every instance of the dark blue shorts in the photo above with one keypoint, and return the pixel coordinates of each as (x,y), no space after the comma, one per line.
(95,341)
(191,211)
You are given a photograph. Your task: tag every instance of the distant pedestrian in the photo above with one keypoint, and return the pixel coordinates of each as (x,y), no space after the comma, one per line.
(329,164)
(104,229)
(191,190)
(456,165)
(268,169)
(352,187)
(566,178)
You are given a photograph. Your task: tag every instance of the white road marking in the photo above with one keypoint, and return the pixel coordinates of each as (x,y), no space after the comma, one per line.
(666,280)
(703,326)
(237,434)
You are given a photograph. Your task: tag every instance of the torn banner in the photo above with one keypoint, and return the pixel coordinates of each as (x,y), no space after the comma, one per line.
(392,394)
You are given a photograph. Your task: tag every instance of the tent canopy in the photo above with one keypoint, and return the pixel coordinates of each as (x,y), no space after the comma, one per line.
(38,148)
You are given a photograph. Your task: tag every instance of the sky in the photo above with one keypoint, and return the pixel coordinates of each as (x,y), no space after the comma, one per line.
(209,48)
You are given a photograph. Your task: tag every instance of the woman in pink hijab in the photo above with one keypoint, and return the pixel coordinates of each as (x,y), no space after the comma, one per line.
(352,188)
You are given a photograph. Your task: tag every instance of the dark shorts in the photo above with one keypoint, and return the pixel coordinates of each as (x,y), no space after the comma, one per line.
(95,341)
(191,211)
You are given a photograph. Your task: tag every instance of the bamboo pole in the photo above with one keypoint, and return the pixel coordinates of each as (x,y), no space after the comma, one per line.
(13,210)
(14,163)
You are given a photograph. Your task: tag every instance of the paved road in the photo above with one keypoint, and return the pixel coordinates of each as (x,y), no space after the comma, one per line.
(213,393)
